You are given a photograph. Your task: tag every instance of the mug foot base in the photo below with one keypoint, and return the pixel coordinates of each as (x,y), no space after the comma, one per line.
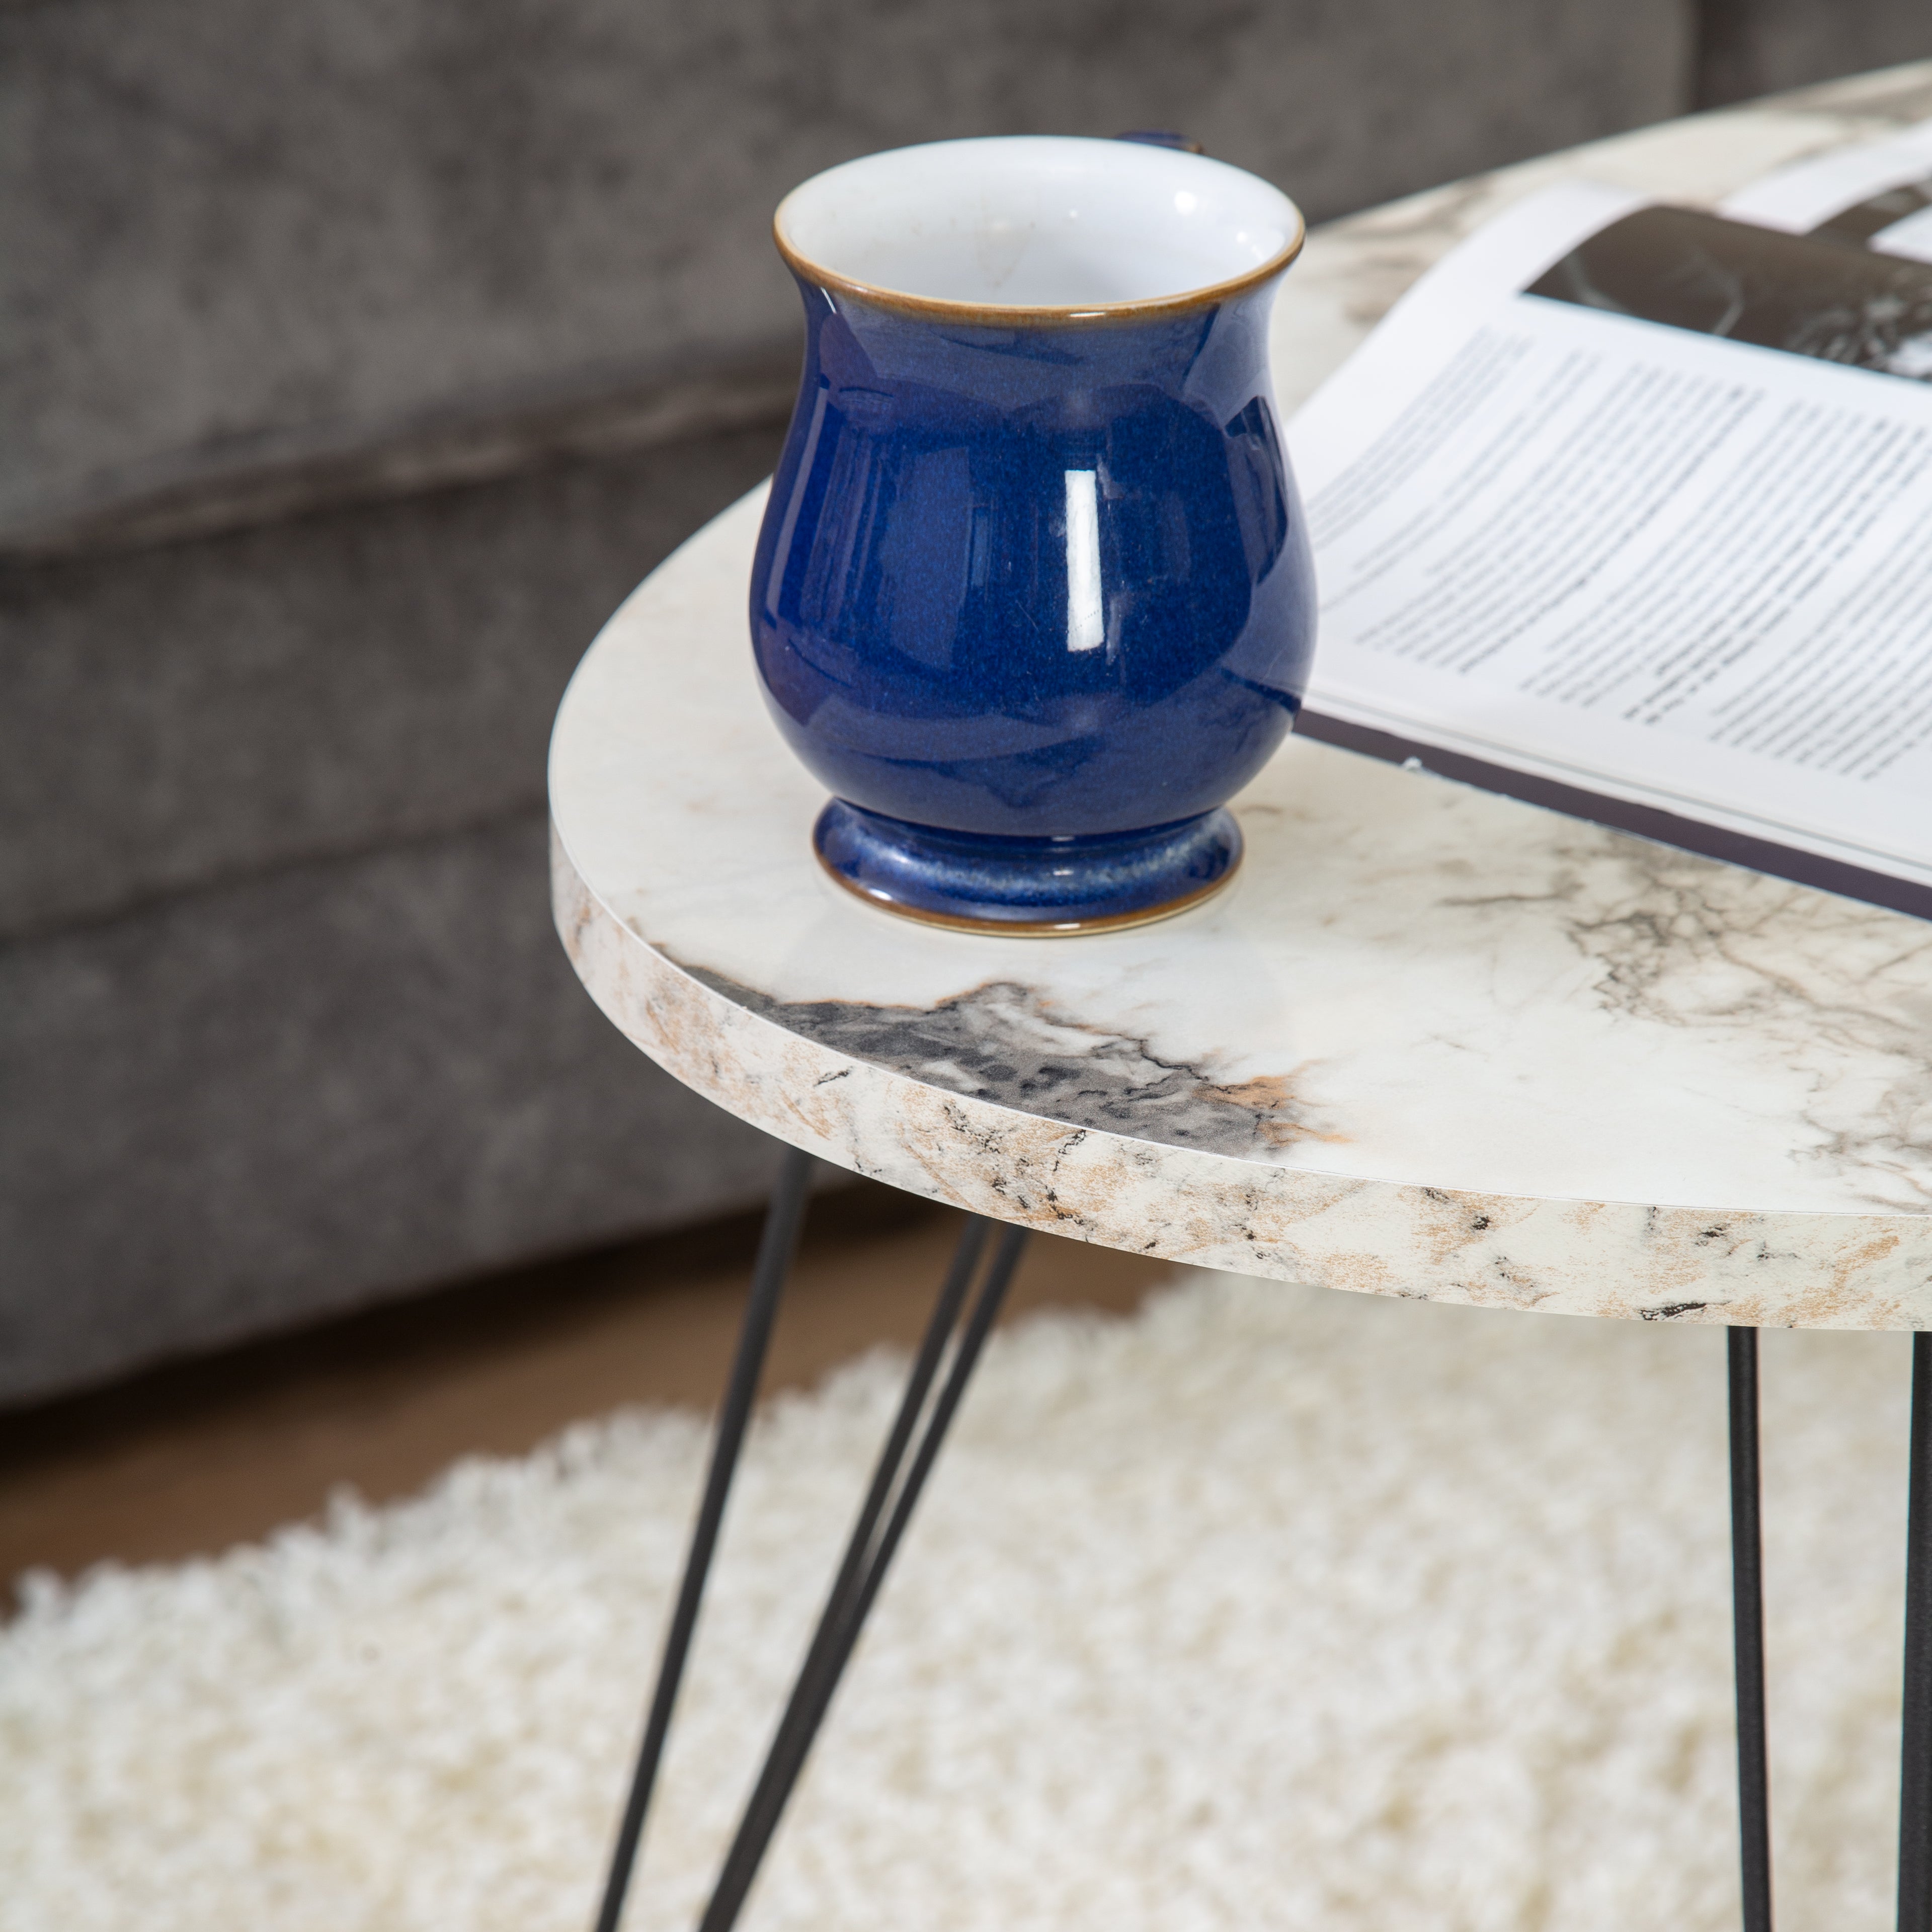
(1035,888)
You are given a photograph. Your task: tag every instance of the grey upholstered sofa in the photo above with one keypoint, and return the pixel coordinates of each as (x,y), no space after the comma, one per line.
(357,355)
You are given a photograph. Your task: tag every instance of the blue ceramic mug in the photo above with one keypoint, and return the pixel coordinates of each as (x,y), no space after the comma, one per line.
(1033,597)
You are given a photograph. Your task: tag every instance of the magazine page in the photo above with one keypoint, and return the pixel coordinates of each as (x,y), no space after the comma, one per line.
(1876,196)
(1634,501)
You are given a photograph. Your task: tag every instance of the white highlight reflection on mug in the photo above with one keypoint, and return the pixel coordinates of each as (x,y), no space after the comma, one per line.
(1086,619)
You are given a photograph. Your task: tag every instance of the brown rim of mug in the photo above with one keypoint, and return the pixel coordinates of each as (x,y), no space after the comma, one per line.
(1020,315)
(1003,929)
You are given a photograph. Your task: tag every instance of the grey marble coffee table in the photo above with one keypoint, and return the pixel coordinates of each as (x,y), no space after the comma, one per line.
(1432,1043)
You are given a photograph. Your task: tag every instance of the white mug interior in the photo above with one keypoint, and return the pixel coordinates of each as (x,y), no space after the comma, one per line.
(1038,221)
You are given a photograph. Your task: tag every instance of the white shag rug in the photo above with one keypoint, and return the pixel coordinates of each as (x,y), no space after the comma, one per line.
(1267,1609)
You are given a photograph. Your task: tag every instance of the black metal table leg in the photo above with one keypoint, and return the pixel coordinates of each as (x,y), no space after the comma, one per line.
(776,1247)
(1748,1634)
(867,1555)
(903,1467)
(1915,1780)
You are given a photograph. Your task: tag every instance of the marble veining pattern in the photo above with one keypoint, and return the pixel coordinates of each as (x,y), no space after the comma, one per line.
(1430,1043)
(1218,1209)
(1003,1043)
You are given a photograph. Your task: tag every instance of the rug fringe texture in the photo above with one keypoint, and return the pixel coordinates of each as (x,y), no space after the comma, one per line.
(1265,1609)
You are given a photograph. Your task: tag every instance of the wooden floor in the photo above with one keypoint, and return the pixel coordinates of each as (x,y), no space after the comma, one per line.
(190,1459)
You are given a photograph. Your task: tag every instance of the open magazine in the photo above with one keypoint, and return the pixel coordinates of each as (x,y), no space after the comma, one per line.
(1627,509)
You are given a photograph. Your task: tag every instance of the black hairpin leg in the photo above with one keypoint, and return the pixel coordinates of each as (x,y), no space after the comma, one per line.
(1748,1628)
(868,1552)
(1915,1782)
(900,1475)
(776,1247)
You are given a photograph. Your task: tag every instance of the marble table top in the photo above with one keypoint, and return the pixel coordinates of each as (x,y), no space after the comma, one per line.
(1431,1042)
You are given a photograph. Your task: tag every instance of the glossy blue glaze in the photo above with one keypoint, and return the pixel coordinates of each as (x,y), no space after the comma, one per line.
(974,879)
(926,646)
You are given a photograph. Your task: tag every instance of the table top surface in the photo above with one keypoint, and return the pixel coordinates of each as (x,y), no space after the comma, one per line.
(1431,1042)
